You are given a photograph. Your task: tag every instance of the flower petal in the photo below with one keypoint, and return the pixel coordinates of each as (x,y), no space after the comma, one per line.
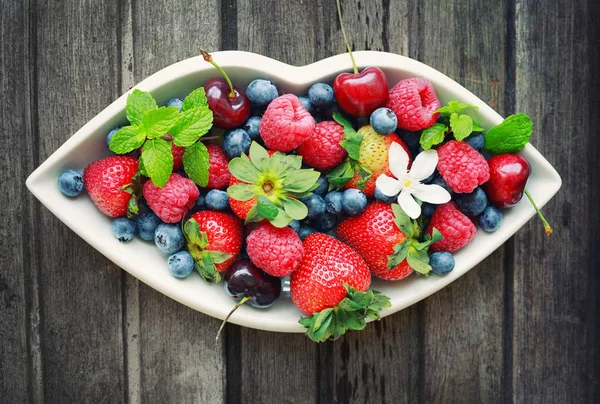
(409,205)
(398,161)
(387,185)
(424,165)
(431,193)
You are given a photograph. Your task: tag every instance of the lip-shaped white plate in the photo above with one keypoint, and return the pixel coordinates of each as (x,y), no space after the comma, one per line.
(144,261)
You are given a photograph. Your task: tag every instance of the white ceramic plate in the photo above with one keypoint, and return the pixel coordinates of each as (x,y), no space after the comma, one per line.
(144,261)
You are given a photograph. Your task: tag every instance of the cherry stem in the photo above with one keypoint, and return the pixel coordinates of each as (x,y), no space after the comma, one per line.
(539,212)
(237,306)
(339,10)
(210,138)
(210,60)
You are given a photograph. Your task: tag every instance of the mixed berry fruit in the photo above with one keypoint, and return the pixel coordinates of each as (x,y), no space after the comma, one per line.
(298,194)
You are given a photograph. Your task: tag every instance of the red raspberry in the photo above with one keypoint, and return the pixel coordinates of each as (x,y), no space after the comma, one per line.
(456,228)
(174,200)
(414,102)
(218,172)
(276,251)
(286,124)
(177,152)
(322,150)
(462,167)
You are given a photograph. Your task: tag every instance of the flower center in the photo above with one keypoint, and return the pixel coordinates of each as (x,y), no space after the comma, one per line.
(268,187)
(407,183)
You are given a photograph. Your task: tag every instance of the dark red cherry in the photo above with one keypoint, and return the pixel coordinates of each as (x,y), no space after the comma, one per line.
(361,94)
(228,112)
(244,280)
(508,177)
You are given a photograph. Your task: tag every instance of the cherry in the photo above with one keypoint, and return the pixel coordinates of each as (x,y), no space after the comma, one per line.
(229,104)
(359,94)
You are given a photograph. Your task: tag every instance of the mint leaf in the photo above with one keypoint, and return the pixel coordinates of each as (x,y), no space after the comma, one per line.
(158,122)
(196,162)
(301,180)
(266,208)
(477,128)
(195,99)
(243,169)
(138,103)
(294,208)
(241,192)
(462,125)
(352,139)
(158,161)
(433,136)
(191,125)
(340,175)
(126,140)
(510,136)
(455,107)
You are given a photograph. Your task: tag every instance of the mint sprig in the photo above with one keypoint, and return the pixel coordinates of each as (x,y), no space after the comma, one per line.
(461,125)
(510,136)
(158,161)
(196,162)
(433,136)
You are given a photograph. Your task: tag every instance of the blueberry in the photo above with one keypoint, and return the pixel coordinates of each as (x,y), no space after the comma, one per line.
(354,201)
(384,121)
(294,224)
(261,92)
(321,95)
(306,104)
(252,127)
(428,209)
(200,203)
(384,198)
(472,204)
(236,142)
(429,179)
(324,223)
(323,186)
(175,102)
(438,180)
(70,183)
(217,200)
(444,119)
(441,263)
(181,264)
(476,141)
(326,114)
(112,133)
(305,231)
(491,219)
(315,205)
(123,229)
(333,202)
(411,139)
(147,223)
(169,238)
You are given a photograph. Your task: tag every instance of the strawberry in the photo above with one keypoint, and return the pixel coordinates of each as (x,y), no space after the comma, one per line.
(214,240)
(330,285)
(106,182)
(373,234)
(218,173)
(173,201)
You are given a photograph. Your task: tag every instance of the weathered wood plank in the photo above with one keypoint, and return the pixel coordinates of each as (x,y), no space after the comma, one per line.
(179,359)
(556,279)
(77,67)
(463,323)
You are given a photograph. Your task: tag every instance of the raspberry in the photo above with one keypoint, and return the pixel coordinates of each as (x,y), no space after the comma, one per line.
(277,251)
(414,102)
(177,152)
(462,167)
(218,172)
(456,228)
(173,201)
(322,150)
(286,124)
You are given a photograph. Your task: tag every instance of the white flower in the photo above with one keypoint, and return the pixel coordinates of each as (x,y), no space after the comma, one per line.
(408,183)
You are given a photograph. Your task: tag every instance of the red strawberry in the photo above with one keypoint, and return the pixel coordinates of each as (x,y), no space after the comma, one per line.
(456,228)
(286,124)
(218,173)
(174,200)
(414,101)
(462,167)
(214,239)
(323,150)
(373,234)
(277,251)
(104,180)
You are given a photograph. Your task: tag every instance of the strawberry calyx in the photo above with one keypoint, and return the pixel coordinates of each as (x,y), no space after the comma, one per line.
(277,181)
(205,260)
(135,188)
(350,314)
(414,251)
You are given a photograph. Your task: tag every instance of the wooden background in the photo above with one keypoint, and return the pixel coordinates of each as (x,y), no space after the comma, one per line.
(521,327)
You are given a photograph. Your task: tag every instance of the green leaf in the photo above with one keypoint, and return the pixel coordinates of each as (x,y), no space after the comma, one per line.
(462,125)
(195,99)
(206,268)
(282,164)
(399,255)
(219,257)
(294,208)
(241,192)
(364,174)
(340,175)
(300,180)
(133,207)
(259,156)
(455,107)
(281,220)
(196,162)
(418,260)
(126,140)
(192,233)
(157,122)
(403,221)
(352,139)
(158,161)
(510,136)
(191,125)
(141,168)
(138,103)
(243,169)
(266,208)
(253,215)
(433,136)
(477,128)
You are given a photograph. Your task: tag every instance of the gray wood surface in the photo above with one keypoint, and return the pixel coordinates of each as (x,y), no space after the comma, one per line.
(520,327)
